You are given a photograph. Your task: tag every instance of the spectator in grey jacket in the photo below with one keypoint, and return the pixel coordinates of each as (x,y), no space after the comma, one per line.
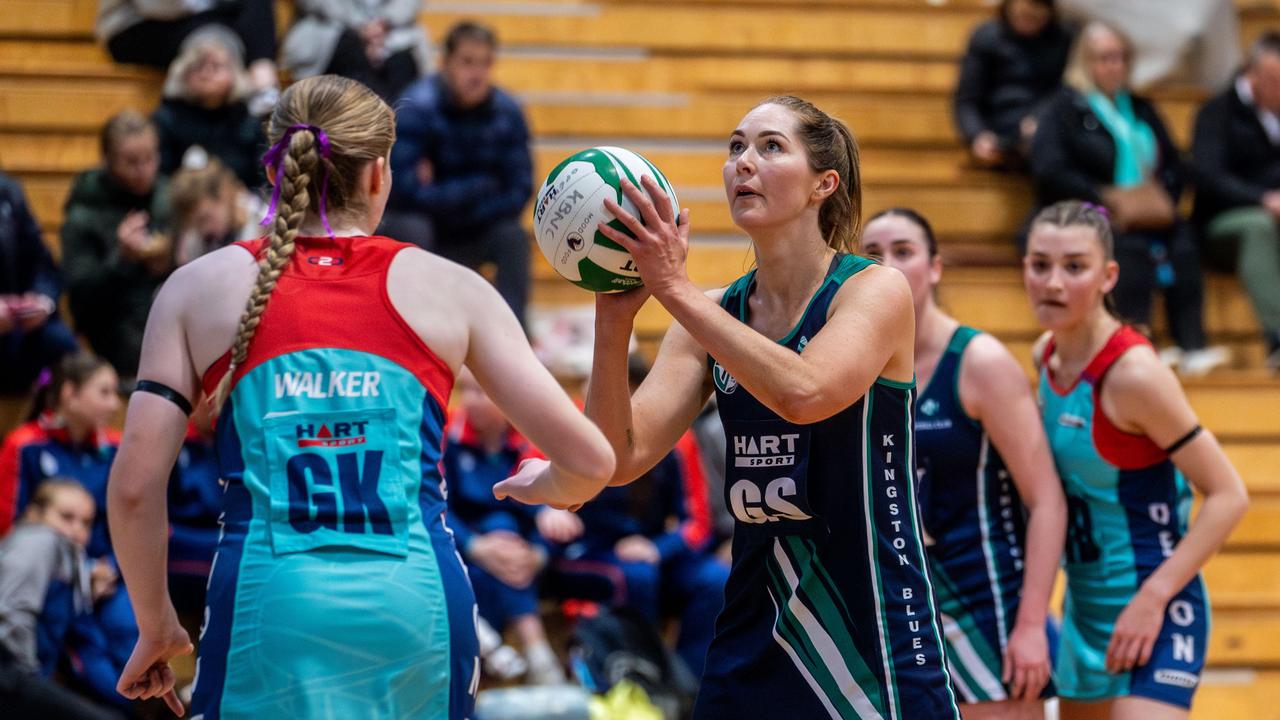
(44,586)
(1236,151)
(377,42)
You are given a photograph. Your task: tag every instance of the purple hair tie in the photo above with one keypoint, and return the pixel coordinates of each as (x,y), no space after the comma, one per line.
(274,159)
(1096,208)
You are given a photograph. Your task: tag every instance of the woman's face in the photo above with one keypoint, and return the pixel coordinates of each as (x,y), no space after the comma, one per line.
(900,243)
(70,514)
(134,162)
(767,177)
(94,402)
(1108,62)
(211,78)
(1028,18)
(1066,274)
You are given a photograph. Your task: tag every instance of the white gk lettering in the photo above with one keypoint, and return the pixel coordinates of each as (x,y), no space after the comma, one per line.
(335,383)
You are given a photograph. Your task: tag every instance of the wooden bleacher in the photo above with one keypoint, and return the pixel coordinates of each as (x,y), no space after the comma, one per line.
(669,78)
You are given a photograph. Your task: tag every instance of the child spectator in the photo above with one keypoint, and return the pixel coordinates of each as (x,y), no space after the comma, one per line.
(377,42)
(501,540)
(211,208)
(67,436)
(204,106)
(115,251)
(1012,65)
(44,586)
(645,546)
(32,336)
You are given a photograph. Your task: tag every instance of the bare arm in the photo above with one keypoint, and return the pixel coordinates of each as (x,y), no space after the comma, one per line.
(137,497)
(1141,395)
(994,391)
(500,357)
(644,427)
(872,312)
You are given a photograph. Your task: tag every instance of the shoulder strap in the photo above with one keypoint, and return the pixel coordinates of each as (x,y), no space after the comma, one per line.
(1119,343)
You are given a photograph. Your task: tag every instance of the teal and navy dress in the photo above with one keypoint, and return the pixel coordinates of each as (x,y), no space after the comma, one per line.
(975,527)
(828,609)
(336,591)
(1127,510)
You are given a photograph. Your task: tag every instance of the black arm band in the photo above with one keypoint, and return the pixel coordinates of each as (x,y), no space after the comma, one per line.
(168,393)
(1191,435)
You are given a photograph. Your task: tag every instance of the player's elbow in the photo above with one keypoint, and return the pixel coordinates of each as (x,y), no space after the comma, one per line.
(594,463)
(802,404)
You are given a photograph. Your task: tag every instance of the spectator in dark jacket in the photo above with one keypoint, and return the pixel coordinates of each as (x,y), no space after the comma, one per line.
(1012,65)
(1237,156)
(151,32)
(32,336)
(204,106)
(115,251)
(1096,141)
(462,168)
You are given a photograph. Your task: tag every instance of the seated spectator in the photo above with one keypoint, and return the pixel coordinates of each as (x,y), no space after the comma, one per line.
(1099,143)
(67,436)
(1189,41)
(44,586)
(377,42)
(204,106)
(115,250)
(151,32)
(32,336)
(211,209)
(462,167)
(645,545)
(1237,155)
(1012,65)
(501,540)
(195,503)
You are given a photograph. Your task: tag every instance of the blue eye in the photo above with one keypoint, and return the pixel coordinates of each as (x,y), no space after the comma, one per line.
(735,147)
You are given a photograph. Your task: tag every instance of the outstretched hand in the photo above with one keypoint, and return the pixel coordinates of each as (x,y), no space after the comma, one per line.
(533,484)
(147,674)
(660,246)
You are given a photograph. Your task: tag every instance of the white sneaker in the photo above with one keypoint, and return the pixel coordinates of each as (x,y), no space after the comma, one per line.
(1198,363)
(1170,356)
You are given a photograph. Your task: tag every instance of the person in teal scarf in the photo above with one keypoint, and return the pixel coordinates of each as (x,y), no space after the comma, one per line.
(1097,137)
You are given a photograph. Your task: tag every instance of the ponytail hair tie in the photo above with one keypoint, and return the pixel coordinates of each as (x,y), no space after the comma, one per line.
(274,160)
(1096,208)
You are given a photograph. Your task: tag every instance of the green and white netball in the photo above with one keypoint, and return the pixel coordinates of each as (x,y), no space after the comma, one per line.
(570,207)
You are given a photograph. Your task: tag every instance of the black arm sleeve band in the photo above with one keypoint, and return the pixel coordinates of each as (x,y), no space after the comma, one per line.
(1191,435)
(168,393)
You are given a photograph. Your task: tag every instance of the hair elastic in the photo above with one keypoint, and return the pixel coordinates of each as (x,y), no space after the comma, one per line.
(274,159)
(166,392)
(1096,208)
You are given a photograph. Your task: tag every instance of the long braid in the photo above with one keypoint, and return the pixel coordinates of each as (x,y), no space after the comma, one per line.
(300,163)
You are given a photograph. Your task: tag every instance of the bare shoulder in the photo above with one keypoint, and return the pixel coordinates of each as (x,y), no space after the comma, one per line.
(990,362)
(1139,375)
(876,286)
(226,274)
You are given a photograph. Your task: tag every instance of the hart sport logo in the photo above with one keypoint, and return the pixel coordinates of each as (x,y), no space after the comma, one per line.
(343,434)
(724,381)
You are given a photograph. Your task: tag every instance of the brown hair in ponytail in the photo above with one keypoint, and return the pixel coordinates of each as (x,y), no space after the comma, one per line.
(830,146)
(360,127)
